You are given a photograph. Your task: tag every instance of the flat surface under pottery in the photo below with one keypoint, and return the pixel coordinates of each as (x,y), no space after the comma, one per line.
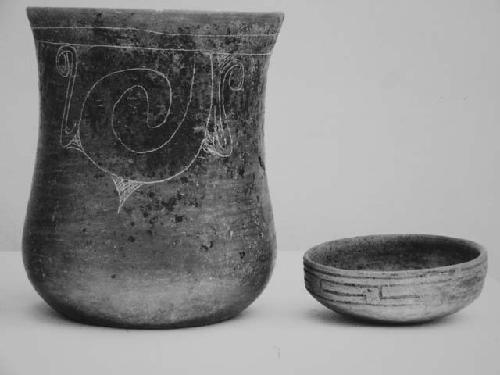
(283,332)
(396,278)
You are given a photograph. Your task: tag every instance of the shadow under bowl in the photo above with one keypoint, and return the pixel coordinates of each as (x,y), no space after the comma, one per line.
(396,278)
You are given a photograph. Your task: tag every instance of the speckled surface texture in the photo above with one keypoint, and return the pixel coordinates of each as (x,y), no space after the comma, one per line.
(396,278)
(149,205)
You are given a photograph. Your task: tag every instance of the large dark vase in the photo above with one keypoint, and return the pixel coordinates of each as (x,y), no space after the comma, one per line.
(149,205)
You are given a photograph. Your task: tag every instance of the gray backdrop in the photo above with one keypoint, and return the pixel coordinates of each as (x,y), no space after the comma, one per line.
(382,117)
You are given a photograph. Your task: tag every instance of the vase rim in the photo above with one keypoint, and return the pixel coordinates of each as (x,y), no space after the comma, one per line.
(157,10)
(129,16)
(238,33)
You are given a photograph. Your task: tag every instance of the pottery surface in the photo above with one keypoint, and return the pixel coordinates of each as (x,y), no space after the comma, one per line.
(149,205)
(396,278)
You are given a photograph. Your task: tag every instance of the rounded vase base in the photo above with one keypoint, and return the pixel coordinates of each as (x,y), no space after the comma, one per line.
(82,318)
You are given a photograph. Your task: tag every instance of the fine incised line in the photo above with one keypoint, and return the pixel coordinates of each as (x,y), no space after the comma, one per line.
(153,31)
(207,51)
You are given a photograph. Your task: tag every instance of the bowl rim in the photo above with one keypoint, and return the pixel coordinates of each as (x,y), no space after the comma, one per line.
(481,258)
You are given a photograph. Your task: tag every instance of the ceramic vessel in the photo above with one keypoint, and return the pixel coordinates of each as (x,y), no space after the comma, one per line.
(149,205)
(396,278)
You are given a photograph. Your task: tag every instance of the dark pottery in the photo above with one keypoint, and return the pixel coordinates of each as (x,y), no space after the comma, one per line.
(396,278)
(149,205)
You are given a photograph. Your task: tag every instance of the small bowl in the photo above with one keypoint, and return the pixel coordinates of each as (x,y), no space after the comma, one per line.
(396,278)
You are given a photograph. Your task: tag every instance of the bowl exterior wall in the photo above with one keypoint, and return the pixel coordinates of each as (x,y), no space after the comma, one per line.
(401,298)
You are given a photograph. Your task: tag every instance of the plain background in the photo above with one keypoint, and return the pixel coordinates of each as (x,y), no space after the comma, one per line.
(381,117)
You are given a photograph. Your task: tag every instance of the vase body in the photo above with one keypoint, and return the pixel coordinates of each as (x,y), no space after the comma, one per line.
(149,204)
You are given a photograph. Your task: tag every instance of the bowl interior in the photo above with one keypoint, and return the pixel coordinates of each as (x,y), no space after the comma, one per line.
(394,252)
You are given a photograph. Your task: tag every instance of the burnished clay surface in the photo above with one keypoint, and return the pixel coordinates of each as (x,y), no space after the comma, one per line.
(149,205)
(396,278)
